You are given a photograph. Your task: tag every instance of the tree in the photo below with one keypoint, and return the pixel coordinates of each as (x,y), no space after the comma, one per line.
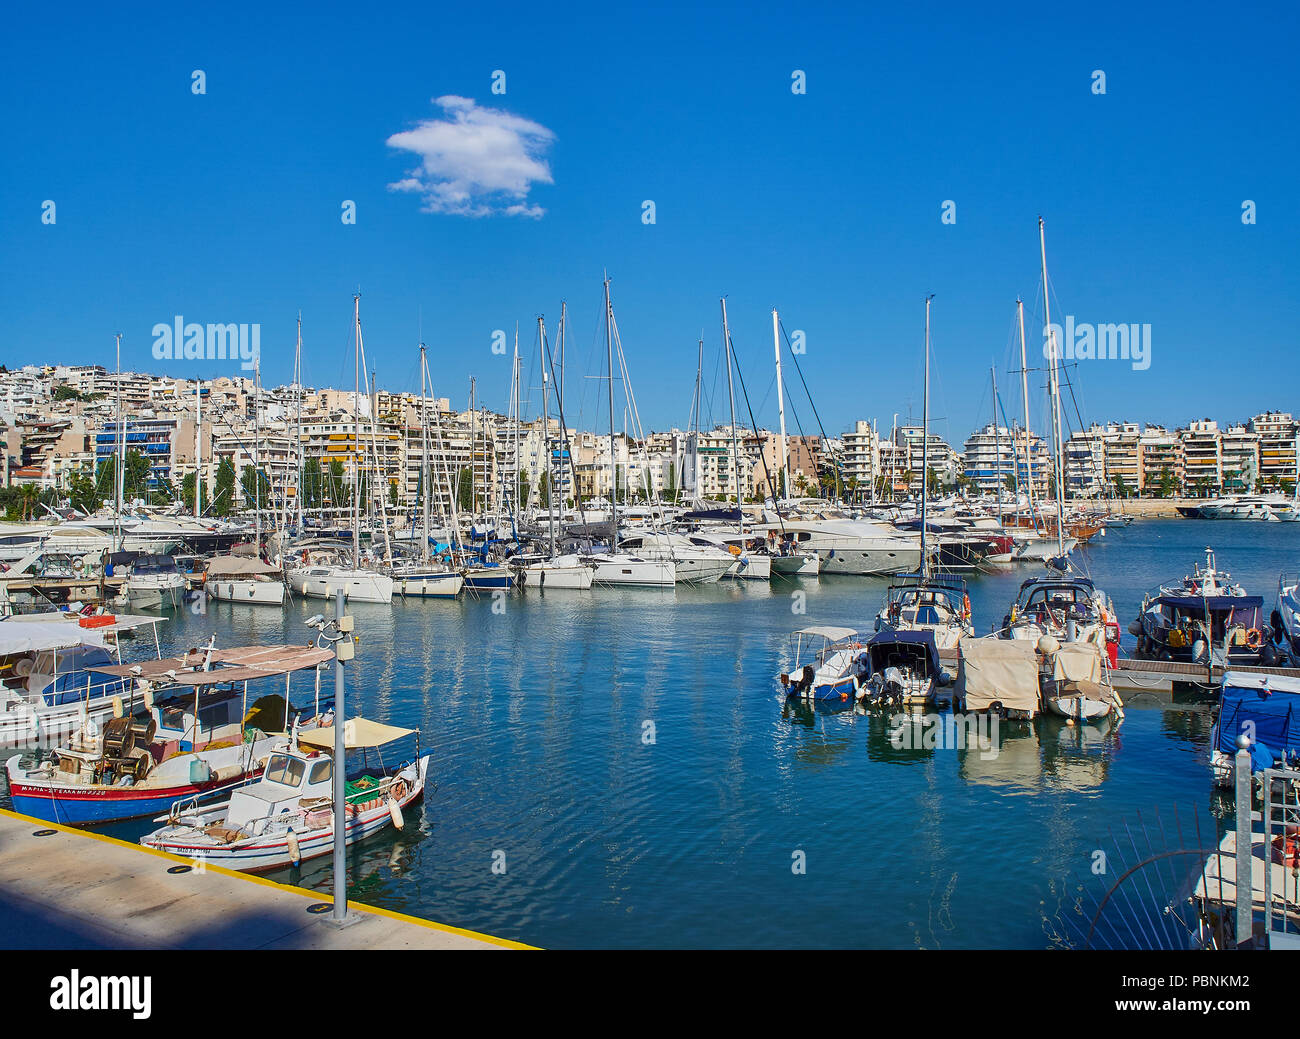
(83,493)
(1121,488)
(1166,486)
(223,489)
(543,492)
(256,488)
(66,392)
(465,488)
(337,492)
(187,490)
(524,488)
(392,493)
(670,485)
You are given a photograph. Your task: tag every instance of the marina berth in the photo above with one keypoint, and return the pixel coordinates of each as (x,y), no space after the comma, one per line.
(1265,709)
(999,676)
(904,670)
(829,665)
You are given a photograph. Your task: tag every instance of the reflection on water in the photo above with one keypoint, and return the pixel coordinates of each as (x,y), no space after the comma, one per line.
(629,758)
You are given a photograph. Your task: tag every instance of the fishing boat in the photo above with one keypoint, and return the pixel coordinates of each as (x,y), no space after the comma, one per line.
(904,669)
(197,736)
(1265,709)
(244,579)
(49,689)
(828,665)
(1207,618)
(286,817)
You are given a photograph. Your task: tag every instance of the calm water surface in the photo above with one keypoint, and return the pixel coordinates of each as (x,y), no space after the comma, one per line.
(537,716)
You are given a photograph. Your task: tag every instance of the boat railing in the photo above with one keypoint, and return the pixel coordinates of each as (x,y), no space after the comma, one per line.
(1280,816)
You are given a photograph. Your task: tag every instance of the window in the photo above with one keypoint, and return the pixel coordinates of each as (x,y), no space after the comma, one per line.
(321,772)
(283,769)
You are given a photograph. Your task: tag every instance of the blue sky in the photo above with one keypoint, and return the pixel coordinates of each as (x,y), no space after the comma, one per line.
(226,207)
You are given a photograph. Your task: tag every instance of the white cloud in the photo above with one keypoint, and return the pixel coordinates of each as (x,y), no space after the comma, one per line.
(475,161)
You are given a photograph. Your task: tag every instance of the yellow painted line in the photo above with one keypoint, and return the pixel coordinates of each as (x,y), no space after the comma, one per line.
(315,896)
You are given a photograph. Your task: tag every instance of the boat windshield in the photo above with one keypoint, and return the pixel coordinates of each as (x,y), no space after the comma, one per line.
(281,768)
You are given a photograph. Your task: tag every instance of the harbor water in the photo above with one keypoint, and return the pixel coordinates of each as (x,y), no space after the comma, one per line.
(619,768)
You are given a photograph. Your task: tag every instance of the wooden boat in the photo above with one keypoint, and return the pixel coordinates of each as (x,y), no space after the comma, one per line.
(196,736)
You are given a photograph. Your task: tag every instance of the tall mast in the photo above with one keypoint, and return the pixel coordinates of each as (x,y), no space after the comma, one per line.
(1024,392)
(997,441)
(613,469)
(257,453)
(1057,468)
(925,446)
(198,448)
(121,449)
(559,390)
(473,451)
(699,415)
(426,471)
(731,396)
(356,431)
(546,432)
(297,380)
(784,488)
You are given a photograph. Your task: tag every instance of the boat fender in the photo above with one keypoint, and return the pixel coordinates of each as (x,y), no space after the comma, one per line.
(291,839)
(117,707)
(395,813)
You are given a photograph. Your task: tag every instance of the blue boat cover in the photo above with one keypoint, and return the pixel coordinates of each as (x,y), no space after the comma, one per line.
(881,643)
(1212,602)
(1271,705)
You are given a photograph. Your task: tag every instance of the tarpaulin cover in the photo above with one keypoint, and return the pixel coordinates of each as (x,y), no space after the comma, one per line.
(1001,671)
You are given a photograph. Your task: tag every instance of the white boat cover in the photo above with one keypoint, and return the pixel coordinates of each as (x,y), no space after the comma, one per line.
(1001,671)
(238,566)
(17,636)
(1078,662)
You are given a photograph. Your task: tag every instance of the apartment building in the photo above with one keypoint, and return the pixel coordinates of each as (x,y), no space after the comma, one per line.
(1277,432)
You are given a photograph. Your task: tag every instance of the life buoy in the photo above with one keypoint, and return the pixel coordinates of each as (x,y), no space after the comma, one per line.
(1286,848)
(1254,638)
(965,605)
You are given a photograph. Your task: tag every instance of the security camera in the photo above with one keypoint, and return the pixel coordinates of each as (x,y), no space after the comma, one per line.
(317,621)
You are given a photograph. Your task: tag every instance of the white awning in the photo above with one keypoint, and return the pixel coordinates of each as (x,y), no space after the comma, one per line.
(834,634)
(32,636)
(357,733)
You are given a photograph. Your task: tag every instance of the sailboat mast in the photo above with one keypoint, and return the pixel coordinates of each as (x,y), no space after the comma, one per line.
(302,467)
(546,429)
(121,449)
(780,407)
(731,396)
(198,448)
(356,430)
(925,446)
(997,441)
(1024,392)
(426,470)
(257,453)
(1058,470)
(613,469)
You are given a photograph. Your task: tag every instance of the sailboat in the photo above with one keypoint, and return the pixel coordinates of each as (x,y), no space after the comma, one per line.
(618,567)
(424,578)
(1064,613)
(568,570)
(328,572)
(927,601)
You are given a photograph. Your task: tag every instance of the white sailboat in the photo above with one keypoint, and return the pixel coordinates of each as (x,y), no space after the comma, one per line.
(323,573)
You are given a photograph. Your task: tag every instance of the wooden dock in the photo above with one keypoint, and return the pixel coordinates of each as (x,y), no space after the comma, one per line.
(62,888)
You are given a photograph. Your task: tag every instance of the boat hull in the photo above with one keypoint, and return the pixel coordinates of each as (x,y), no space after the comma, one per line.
(264,593)
(445,585)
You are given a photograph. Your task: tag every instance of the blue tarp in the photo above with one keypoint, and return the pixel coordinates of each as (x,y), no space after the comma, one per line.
(1274,715)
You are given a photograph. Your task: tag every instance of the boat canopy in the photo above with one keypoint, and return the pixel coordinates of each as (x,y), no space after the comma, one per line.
(238,664)
(238,566)
(1001,671)
(358,734)
(828,633)
(886,646)
(19,636)
(1271,706)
